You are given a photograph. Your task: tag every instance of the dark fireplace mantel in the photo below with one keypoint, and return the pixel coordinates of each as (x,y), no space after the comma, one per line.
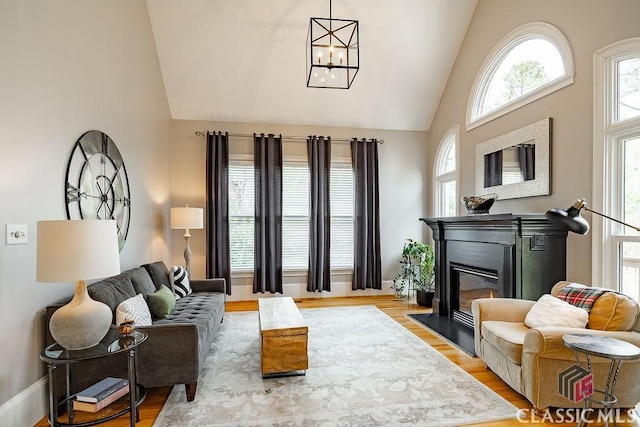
(524,253)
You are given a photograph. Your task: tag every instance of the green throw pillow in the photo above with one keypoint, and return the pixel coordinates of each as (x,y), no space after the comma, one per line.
(161,302)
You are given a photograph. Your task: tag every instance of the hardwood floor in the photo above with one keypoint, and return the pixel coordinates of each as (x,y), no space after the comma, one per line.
(397,310)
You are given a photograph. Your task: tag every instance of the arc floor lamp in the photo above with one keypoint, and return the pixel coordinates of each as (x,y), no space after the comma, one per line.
(571,219)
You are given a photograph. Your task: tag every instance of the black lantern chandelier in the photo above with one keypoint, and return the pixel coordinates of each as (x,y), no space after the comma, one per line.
(333,52)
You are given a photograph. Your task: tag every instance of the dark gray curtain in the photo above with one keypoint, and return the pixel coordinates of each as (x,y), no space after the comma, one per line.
(527,159)
(319,152)
(493,169)
(367,271)
(218,259)
(268,220)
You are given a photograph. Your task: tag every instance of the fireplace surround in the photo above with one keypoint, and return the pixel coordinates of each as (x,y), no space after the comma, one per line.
(503,255)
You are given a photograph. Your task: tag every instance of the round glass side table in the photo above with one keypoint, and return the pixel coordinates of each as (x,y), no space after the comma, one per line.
(609,348)
(113,343)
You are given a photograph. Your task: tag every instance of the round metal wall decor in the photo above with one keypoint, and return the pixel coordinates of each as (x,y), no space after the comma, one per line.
(97,186)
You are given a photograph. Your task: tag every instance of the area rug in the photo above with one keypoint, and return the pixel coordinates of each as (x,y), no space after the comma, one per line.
(365,369)
(448,329)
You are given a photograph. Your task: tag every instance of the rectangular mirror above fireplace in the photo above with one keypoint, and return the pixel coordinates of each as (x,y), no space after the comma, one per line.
(516,164)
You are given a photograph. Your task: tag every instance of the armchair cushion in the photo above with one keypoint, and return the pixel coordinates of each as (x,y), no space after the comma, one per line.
(612,311)
(508,337)
(552,311)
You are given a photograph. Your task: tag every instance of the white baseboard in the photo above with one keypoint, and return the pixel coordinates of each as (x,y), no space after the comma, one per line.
(26,408)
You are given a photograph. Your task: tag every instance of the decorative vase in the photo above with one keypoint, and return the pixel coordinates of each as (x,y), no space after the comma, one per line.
(424,299)
(82,323)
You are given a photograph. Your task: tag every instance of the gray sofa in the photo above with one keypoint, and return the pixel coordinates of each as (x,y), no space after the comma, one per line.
(177,345)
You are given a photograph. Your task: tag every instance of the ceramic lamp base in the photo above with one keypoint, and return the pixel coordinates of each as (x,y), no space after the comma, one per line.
(82,323)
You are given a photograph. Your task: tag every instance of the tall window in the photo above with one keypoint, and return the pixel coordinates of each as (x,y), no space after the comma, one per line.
(295,210)
(341,200)
(530,62)
(445,191)
(295,216)
(241,214)
(616,255)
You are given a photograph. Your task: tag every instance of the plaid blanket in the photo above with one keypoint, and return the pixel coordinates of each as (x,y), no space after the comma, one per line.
(581,297)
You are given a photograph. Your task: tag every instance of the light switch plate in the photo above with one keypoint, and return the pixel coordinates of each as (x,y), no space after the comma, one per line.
(16,234)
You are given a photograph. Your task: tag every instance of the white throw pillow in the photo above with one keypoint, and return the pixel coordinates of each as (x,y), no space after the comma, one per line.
(136,309)
(551,311)
(180,282)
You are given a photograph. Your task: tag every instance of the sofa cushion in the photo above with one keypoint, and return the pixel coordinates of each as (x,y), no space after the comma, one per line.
(552,311)
(134,308)
(141,281)
(158,273)
(507,337)
(112,291)
(161,302)
(201,308)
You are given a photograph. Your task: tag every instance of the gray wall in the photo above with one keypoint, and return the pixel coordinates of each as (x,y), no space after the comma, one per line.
(589,25)
(69,67)
(403,189)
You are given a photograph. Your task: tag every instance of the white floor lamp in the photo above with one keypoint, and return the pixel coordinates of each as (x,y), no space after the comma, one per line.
(184,219)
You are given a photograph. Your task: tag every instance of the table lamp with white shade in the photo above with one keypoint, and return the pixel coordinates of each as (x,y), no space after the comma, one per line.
(78,250)
(187,218)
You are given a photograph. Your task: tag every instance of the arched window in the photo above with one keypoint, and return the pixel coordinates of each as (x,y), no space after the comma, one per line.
(616,175)
(445,174)
(532,61)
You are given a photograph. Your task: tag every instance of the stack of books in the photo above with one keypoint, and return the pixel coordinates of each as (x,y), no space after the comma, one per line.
(101,394)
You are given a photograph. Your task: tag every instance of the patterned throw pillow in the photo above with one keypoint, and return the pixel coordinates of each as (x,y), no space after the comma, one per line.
(580,296)
(180,282)
(134,308)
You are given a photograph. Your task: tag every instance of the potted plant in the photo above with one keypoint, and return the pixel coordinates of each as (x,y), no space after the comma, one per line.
(416,271)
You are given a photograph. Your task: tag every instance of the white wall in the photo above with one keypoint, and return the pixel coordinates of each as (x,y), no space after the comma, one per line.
(588,25)
(403,181)
(69,66)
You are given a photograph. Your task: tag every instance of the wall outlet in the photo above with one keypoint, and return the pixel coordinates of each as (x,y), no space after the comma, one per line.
(16,234)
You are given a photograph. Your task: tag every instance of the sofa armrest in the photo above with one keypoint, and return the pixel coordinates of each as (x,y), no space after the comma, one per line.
(502,309)
(209,285)
(547,341)
(169,355)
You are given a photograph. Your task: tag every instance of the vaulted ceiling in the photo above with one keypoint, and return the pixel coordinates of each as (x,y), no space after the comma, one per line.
(244,60)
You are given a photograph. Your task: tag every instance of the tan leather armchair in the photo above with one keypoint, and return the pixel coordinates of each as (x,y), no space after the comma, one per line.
(530,359)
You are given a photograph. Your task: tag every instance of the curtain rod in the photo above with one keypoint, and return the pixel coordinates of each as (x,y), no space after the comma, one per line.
(292,138)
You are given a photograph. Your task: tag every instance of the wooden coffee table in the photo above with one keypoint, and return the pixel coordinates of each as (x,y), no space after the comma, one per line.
(283,337)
